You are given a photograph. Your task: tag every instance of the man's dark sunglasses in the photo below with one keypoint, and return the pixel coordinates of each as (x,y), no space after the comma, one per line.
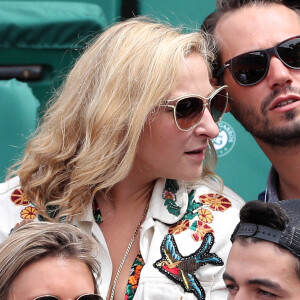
(252,67)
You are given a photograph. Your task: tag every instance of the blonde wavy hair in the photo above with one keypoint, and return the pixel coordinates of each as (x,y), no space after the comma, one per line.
(37,240)
(88,138)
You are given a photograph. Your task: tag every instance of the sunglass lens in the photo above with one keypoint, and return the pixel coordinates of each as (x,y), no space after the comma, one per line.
(47,298)
(249,68)
(188,112)
(218,105)
(90,297)
(289,52)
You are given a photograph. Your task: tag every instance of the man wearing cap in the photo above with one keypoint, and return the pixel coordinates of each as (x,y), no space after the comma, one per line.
(264,259)
(259,59)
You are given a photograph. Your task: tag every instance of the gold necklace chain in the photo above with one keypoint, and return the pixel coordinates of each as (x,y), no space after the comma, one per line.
(127,252)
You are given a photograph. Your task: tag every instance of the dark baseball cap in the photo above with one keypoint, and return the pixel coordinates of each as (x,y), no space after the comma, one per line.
(288,238)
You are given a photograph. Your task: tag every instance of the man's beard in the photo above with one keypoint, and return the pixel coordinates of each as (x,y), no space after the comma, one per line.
(259,125)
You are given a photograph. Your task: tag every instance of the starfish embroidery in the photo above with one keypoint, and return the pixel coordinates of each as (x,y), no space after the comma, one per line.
(181,269)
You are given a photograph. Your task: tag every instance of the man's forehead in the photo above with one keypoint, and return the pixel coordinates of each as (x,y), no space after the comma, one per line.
(255,27)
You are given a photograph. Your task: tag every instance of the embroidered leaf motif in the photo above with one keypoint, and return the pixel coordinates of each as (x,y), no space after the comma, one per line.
(169,195)
(172,207)
(194,226)
(96,212)
(192,206)
(52,211)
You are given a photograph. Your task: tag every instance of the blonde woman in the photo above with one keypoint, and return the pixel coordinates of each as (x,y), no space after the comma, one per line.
(48,261)
(120,154)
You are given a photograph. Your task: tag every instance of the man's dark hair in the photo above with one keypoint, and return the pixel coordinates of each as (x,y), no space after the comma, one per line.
(266,214)
(276,216)
(224,6)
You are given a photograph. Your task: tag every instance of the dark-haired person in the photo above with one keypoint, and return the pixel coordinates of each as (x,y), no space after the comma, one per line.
(264,261)
(259,59)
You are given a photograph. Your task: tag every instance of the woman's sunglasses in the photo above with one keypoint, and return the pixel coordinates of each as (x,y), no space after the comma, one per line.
(252,67)
(188,109)
(83,297)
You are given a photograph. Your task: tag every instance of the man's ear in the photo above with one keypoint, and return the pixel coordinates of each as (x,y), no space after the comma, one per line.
(228,108)
(214,81)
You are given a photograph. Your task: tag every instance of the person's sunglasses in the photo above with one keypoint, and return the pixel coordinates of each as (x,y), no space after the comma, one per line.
(82,297)
(252,67)
(188,109)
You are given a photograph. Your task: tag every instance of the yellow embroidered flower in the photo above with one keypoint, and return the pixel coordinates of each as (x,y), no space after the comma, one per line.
(179,227)
(19,198)
(205,215)
(28,213)
(215,202)
(202,229)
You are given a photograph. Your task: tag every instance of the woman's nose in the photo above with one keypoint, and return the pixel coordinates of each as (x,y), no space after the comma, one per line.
(207,126)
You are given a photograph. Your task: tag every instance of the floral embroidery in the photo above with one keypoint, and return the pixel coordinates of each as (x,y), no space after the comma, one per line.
(179,227)
(137,264)
(28,213)
(215,202)
(134,277)
(97,212)
(169,195)
(203,211)
(205,215)
(201,229)
(18,197)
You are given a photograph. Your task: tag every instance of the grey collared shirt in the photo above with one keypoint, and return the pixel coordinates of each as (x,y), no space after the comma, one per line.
(270,195)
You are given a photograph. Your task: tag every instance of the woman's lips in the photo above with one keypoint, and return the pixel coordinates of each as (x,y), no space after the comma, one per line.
(196,154)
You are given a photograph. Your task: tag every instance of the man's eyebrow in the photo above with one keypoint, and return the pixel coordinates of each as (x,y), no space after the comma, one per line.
(226,276)
(267,283)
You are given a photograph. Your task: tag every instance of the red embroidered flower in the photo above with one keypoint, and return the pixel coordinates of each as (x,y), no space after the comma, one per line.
(205,215)
(19,198)
(179,227)
(168,195)
(202,229)
(215,201)
(28,213)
